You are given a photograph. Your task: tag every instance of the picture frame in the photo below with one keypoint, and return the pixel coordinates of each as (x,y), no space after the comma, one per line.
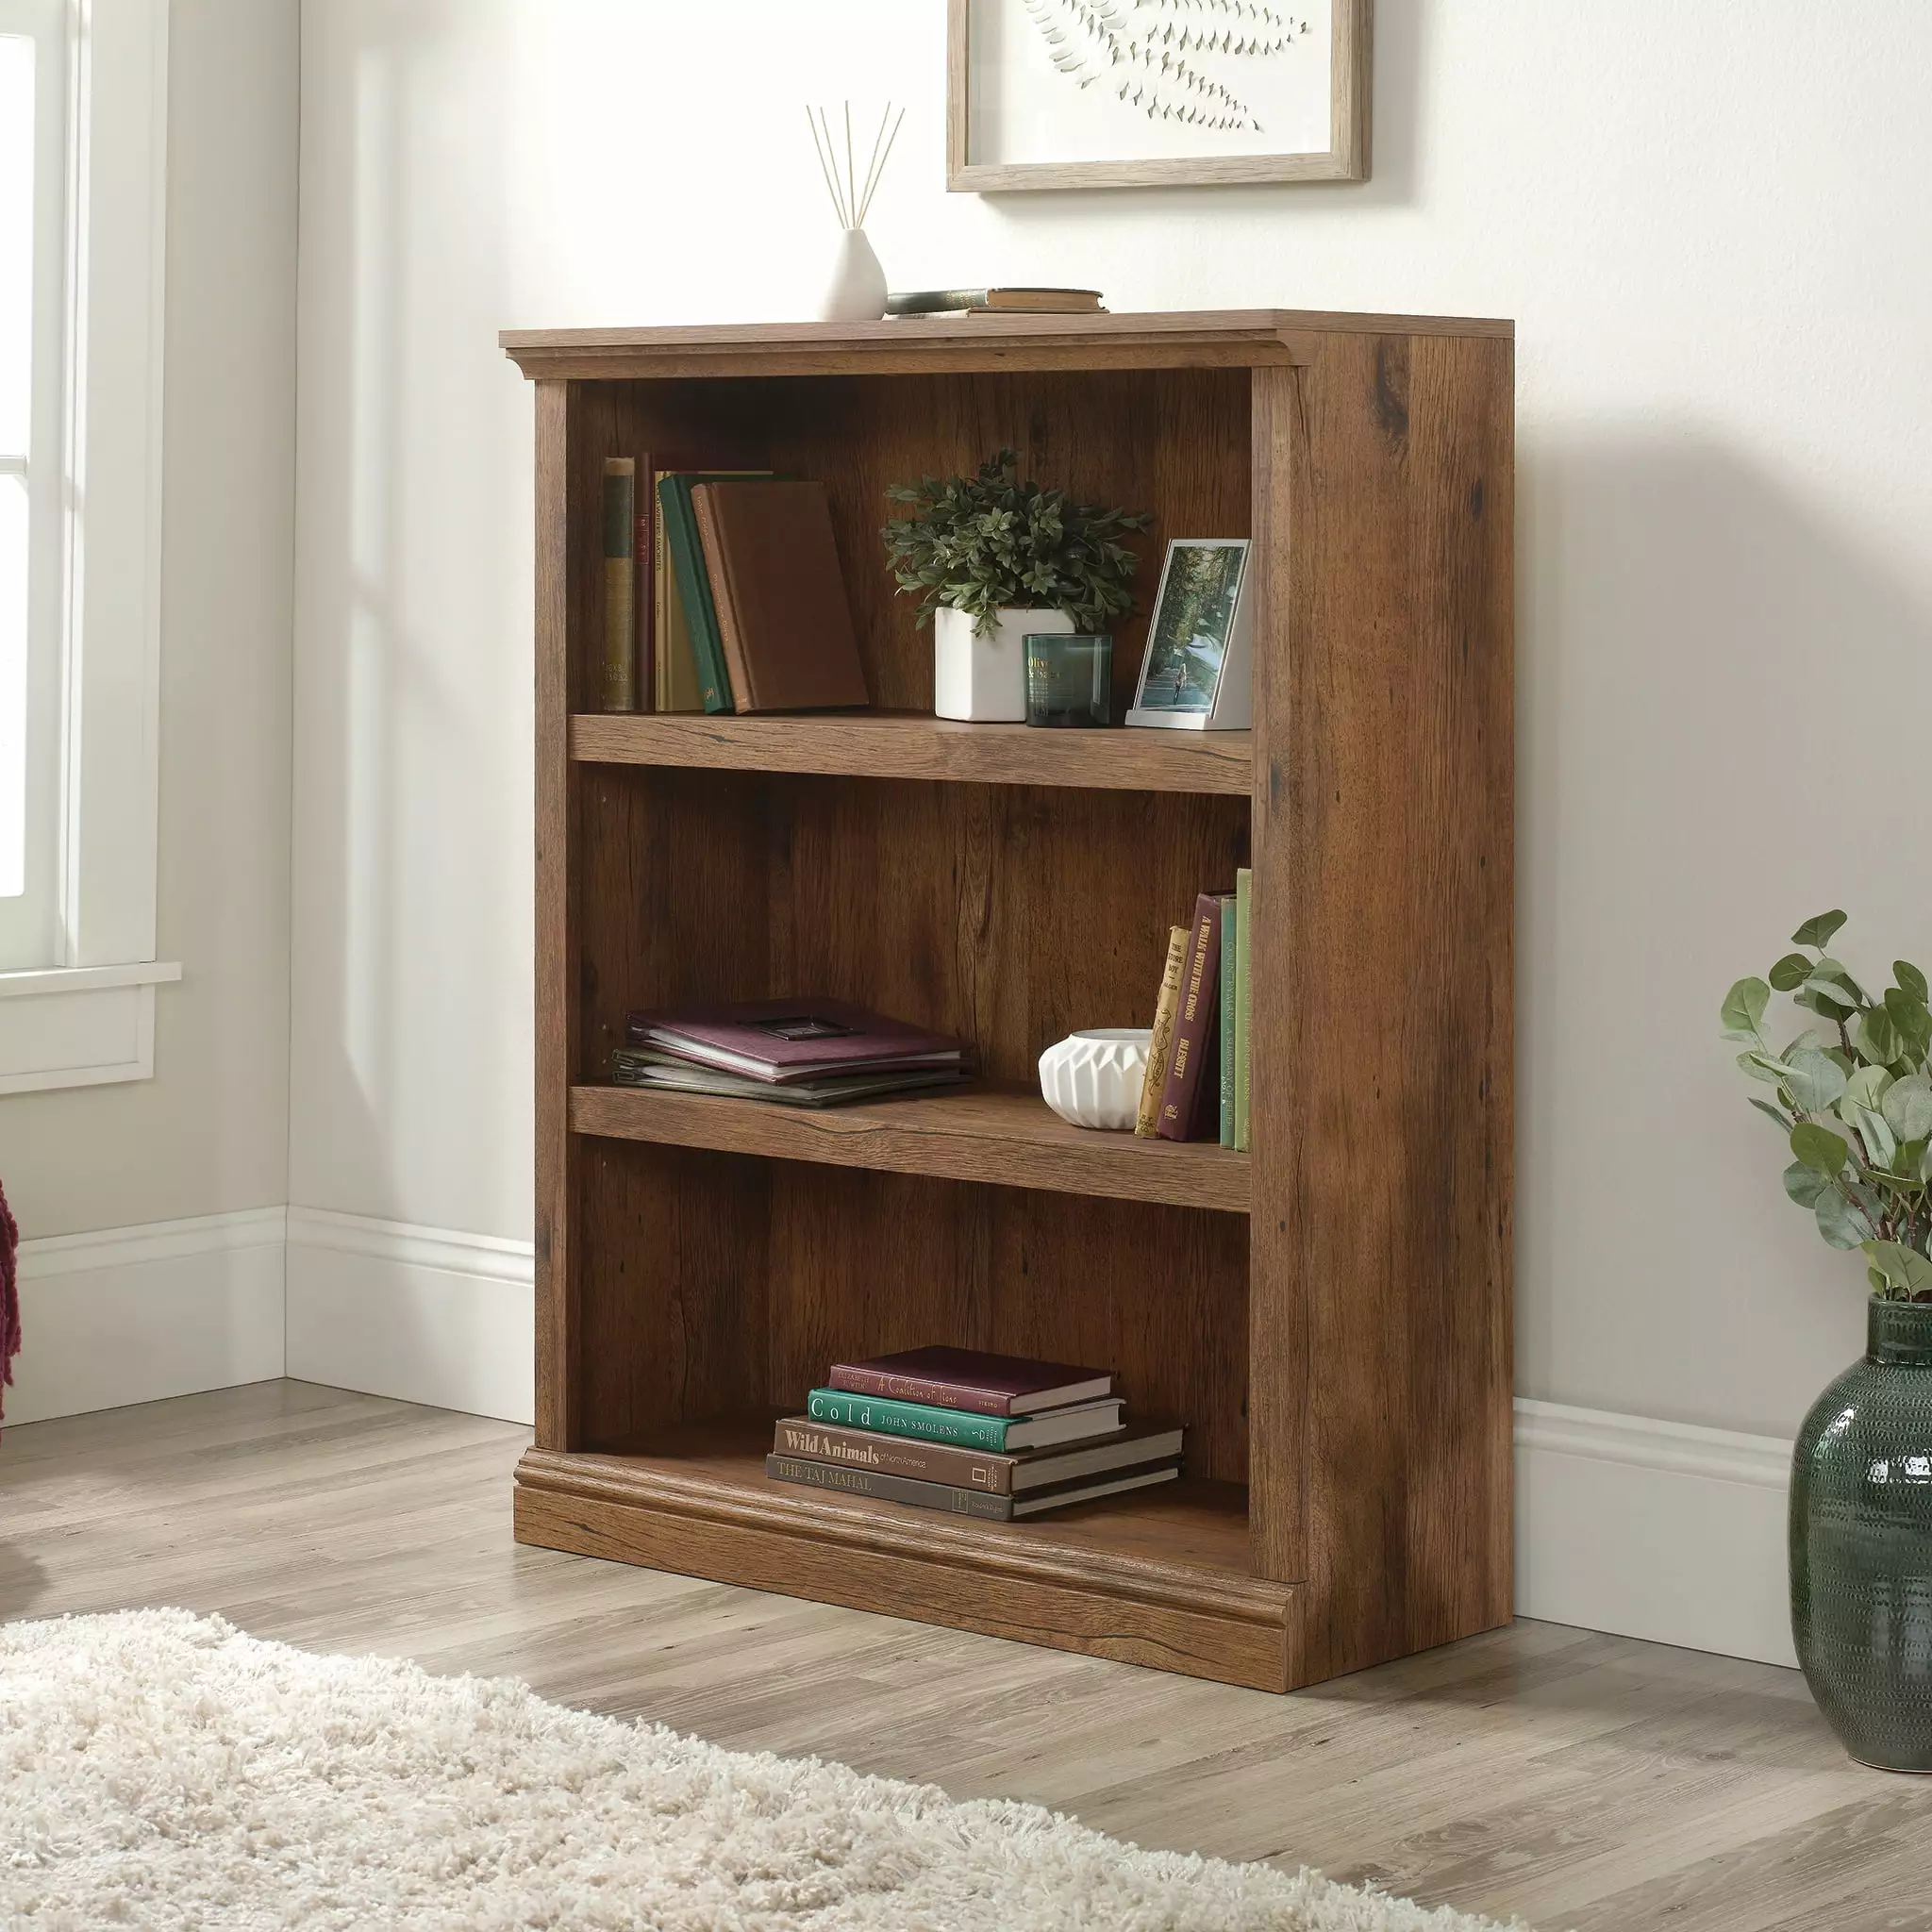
(1197,671)
(1084,94)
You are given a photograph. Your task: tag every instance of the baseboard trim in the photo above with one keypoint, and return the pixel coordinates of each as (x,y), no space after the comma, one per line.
(424,1314)
(139,1315)
(1654,1529)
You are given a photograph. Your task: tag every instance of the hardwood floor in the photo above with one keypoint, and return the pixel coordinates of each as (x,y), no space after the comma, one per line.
(1578,1780)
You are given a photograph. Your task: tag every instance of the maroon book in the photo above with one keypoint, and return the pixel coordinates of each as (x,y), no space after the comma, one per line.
(971,1379)
(1192,1064)
(790,1040)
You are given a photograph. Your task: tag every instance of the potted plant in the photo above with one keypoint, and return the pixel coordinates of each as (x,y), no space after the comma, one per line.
(1852,1098)
(990,559)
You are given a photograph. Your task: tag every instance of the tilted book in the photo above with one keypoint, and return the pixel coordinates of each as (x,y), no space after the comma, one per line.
(695,582)
(1160,1044)
(1225,1029)
(962,1428)
(1243,1003)
(971,1379)
(977,1469)
(1193,1027)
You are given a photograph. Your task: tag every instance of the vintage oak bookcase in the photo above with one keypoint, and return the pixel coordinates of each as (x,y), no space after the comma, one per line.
(1329,1315)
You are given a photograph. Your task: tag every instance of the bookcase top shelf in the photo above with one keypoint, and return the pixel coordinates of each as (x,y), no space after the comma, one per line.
(983,1134)
(1229,337)
(909,745)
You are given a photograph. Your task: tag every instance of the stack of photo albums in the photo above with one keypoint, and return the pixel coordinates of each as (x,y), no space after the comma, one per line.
(982,1435)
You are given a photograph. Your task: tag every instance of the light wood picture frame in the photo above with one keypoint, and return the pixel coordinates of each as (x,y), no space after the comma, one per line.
(1088,96)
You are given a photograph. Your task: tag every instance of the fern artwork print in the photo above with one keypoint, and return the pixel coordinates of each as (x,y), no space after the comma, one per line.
(1129,93)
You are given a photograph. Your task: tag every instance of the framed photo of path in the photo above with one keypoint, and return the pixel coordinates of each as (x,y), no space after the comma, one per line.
(1196,674)
(1147,93)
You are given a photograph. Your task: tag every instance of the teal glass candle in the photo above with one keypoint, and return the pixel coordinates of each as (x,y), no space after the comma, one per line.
(1069,678)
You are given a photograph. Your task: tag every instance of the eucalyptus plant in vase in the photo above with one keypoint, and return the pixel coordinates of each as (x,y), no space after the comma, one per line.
(1852,1097)
(992,560)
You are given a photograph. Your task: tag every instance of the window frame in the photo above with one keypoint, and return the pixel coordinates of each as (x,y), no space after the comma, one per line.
(86,1016)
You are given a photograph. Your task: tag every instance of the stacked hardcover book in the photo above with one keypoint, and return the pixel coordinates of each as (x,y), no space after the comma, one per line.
(982,1435)
(795,1053)
(1197,1082)
(994,302)
(722,593)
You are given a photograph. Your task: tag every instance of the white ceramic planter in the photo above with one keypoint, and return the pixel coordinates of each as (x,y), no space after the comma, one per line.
(982,676)
(856,286)
(1093,1078)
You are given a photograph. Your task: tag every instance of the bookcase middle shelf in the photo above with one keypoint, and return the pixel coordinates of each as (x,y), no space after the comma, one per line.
(988,1134)
(911,744)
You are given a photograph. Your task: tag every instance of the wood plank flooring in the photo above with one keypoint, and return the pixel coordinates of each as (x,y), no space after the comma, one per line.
(1578,1780)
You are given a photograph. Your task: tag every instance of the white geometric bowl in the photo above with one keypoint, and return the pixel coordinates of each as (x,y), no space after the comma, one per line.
(1092,1078)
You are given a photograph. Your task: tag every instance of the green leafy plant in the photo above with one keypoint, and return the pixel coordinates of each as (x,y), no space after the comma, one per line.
(1854,1101)
(990,541)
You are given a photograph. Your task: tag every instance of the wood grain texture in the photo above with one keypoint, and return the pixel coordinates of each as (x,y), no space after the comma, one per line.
(1003,1138)
(1345,158)
(1583,1781)
(915,744)
(1209,339)
(1381,1232)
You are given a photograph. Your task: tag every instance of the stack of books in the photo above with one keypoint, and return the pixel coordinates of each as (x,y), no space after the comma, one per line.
(996,302)
(722,594)
(992,1436)
(811,1052)
(1198,1077)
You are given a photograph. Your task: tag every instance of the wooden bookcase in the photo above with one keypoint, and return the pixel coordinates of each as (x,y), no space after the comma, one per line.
(1330,1315)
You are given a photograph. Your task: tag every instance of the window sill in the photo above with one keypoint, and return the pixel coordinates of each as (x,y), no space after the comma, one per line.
(79,1026)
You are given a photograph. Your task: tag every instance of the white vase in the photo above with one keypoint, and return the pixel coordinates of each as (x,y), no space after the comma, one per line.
(982,674)
(1092,1078)
(856,286)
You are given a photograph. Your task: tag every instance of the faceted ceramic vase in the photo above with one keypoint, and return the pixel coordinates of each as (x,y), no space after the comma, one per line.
(1861,1544)
(1093,1080)
(856,284)
(981,674)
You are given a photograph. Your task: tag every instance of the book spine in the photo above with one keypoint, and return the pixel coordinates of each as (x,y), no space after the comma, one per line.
(927,1462)
(1244,1002)
(694,592)
(1160,1044)
(1193,1020)
(863,1381)
(961,1429)
(894,1489)
(660,590)
(620,584)
(646,589)
(724,603)
(1226,1002)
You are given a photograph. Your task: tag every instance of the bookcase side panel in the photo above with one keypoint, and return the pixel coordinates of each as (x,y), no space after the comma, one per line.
(1386,1134)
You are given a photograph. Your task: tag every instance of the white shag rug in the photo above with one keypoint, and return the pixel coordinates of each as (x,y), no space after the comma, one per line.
(159,1769)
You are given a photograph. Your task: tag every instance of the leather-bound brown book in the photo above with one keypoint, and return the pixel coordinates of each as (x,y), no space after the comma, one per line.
(783,618)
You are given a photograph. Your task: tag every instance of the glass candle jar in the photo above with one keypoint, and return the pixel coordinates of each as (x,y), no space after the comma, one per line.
(1069,678)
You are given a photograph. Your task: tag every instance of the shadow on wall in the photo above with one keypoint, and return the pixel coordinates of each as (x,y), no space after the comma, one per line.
(1713,671)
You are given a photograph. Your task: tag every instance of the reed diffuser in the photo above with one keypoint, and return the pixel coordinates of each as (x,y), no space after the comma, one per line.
(856,287)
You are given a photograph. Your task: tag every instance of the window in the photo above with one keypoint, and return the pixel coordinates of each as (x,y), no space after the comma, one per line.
(83,94)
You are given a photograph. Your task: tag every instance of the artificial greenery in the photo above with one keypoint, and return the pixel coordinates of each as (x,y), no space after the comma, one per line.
(990,541)
(1853,1103)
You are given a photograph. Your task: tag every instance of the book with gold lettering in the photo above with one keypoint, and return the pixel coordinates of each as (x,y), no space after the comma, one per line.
(1160,1043)
(1193,1069)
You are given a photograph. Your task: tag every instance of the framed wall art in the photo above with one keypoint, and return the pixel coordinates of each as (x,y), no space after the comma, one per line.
(1147,93)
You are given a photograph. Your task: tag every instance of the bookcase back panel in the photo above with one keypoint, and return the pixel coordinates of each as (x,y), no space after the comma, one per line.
(863,1263)
(1009,915)
(1172,441)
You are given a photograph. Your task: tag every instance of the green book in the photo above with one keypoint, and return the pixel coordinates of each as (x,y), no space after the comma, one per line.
(1244,1002)
(1226,1021)
(693,580)
(1078,1422)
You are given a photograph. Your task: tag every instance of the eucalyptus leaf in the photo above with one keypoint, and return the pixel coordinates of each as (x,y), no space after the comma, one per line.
(1764,1107)
(1840,997)
(1760,1066)
(1743,1008)
(1880,1147)
(1803,1184)
(1818,931)
(1822,1149)
(1810,1037)
(1908,1107)
(1840,1223)
(1874,1036)
(1912,982)
(1902,1266)
(1868,1087)
(1879,1285)
(1815,1080)
(1913,1020)
(1790,973)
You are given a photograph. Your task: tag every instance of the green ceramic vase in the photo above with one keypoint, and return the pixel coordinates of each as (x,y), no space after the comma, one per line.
(1861,1544)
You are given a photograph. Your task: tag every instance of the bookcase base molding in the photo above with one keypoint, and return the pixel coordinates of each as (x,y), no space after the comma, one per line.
(1328,1313)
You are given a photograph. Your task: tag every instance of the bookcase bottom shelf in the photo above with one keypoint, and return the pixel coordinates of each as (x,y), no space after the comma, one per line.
(1157,1578)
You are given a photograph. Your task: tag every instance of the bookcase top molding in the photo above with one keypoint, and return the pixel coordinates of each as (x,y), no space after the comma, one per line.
(1229,337)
